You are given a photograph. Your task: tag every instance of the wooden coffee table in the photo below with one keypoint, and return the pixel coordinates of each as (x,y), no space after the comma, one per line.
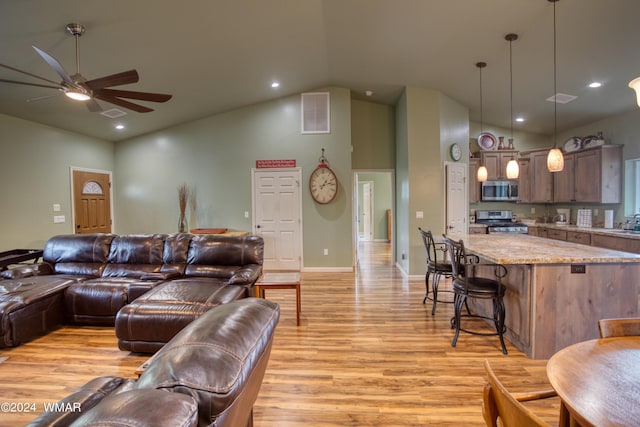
(280,280)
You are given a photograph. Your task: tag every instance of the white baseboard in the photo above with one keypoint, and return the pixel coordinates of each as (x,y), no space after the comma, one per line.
(327,269)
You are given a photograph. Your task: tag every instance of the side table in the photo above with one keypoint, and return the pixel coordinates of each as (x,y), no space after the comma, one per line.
(280,280)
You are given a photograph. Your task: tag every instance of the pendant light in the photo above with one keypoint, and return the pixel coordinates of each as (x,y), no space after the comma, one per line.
(635,85)
(513,170)
(555,158)
(482,170)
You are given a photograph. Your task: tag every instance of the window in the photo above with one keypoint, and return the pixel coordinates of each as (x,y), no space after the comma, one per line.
(92,187)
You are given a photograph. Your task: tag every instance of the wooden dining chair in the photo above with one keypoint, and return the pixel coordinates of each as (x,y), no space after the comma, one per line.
(619,327)
(498,402)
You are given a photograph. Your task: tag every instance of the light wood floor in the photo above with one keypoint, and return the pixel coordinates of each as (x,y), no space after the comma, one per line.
(367,353)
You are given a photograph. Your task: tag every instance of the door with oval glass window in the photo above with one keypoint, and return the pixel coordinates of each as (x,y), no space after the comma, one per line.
(92,202)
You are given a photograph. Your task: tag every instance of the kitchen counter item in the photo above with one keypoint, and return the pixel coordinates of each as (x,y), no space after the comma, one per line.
(608,218)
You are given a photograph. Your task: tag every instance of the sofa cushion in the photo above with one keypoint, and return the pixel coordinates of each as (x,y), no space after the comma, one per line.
(135,255)
(220,360)
(212,255)
(97,301)
(176,249)
(80,254)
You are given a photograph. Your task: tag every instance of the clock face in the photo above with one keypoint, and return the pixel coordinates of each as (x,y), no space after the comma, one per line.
(323,185)
(456,152)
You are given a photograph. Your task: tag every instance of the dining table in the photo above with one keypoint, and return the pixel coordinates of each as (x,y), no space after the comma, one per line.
(598,382)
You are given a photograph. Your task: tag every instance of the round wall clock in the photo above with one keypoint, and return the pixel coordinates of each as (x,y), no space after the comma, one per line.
(323,184)
(456,152)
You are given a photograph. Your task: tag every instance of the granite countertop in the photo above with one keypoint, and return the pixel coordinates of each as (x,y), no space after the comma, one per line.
(594,230)
(526,249)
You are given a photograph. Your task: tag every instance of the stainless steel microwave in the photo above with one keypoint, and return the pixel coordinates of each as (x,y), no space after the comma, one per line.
(493,191)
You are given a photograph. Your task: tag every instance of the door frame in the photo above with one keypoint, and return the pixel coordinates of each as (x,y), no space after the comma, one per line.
(298,171)
(73,169)
(354,210)
(370,236)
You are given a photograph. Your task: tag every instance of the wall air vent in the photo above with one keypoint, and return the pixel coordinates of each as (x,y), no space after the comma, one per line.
(113,113)
(561,98)
(316,113)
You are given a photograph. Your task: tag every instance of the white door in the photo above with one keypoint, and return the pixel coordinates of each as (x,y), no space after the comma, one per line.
(367,210)
(277,216)
(456,203)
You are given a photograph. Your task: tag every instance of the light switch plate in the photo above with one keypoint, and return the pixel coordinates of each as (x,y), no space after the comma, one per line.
(58,219)
(419,215)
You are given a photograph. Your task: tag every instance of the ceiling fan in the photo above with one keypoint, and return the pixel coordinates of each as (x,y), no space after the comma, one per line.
(77,87)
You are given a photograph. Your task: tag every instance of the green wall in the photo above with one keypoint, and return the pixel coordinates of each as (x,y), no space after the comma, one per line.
(372,135)
(382,201)
(214,157)
(35,174)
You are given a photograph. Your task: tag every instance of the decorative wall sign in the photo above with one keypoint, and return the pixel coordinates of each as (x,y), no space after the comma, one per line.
(282,163)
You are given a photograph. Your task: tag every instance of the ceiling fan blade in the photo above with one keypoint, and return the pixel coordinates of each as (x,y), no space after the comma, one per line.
(28,74)
(93,106)
(53,63)
(29,84)
(143,96)
(122,103)
(123,78)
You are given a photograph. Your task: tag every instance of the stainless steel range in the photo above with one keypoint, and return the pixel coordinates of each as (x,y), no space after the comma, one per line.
(500,222)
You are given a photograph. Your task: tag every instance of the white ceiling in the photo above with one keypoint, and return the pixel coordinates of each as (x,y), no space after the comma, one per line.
(216,55)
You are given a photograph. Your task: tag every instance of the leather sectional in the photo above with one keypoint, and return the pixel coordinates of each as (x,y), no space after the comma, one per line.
(148,286)
(209,374)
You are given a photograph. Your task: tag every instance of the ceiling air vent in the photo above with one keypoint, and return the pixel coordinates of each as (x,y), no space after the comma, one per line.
(561,98)
(315,113)
(113,113)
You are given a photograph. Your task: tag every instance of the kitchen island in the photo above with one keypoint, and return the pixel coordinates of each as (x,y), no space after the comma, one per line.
(556,290)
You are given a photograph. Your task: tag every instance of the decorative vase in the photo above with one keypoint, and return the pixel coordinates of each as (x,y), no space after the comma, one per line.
(511,144)
(501,143)
(182,224)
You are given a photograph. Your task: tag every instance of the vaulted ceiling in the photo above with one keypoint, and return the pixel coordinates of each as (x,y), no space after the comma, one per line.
(215,56)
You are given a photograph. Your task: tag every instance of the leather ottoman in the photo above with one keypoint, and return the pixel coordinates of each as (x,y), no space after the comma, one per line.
(149,322)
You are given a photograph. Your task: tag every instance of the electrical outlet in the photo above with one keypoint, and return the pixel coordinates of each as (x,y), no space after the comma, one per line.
(596,212)
(56,207)
(419,214)
(246,214)
(326,251)
(533,210)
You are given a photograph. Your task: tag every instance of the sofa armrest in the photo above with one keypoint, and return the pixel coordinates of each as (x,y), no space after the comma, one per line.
(142,408)
(40,269)
(246,275)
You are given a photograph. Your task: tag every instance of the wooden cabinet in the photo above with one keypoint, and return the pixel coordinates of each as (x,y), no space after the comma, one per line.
(616,243)
(474,185)
(554,233)
(496,163)
(524,181)
(579,237)
(541,178)
(590,176)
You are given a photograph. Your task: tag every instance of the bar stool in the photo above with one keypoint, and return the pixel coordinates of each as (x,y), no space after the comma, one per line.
(467,285)
(436,265)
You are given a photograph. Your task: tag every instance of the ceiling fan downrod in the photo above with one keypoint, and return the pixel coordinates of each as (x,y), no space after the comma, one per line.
(76,30)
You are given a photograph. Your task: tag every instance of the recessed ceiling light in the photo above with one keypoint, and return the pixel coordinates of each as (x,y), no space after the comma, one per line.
(275,85)
(119,127)
(520,119)
(595,84)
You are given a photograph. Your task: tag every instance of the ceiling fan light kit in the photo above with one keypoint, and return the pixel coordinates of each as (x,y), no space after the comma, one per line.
(78,88)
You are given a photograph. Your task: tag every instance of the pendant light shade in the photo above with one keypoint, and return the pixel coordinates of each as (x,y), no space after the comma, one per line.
(482,174)
(482,170)
(555,158)
(513,169)
(635,85)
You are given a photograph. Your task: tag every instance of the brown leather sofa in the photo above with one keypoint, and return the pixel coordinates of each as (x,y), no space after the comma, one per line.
(91,278)
(209,374)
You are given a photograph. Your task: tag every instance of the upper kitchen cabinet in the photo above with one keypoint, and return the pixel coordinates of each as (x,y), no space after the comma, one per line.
(496,163)
(524,180)
(541,178)
(474,185)
(590,176)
